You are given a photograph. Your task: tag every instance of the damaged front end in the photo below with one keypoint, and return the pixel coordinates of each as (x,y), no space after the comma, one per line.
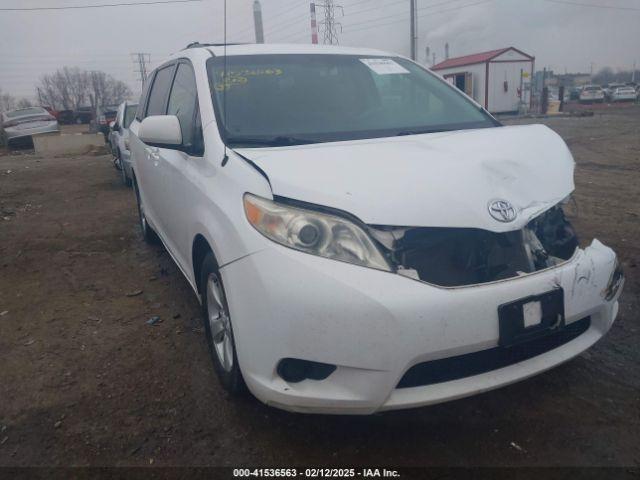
(453,257)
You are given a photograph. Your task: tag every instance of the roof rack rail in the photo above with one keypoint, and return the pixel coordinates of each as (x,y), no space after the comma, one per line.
(198,45)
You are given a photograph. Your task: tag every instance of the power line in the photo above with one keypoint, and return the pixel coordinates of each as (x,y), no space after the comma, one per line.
(295,21)
(293,34)
(591,5)
(285,8)
(305,31)
(378,7)
(77,7)
(403,14)
(359,3)
(460,7)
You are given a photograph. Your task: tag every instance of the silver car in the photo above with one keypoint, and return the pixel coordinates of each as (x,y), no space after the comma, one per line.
(119,139)
(27,122)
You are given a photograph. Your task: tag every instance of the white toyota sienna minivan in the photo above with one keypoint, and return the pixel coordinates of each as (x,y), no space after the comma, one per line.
(361,235)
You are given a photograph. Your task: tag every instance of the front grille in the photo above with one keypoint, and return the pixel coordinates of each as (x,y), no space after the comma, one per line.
(467,365)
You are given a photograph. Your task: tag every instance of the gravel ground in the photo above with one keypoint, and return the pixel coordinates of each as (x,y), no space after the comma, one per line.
(85,381)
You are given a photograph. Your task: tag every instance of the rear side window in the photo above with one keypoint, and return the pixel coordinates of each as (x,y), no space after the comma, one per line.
(159,89)
(183,103)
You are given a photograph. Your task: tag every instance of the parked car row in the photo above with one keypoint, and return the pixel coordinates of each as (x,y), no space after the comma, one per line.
(613,92)
(81,115)
(104,117)
(118,139)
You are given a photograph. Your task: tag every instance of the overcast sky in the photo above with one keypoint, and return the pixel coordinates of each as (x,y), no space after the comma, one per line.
(560,34)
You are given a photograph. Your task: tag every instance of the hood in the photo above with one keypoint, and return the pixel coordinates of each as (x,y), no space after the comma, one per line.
(438,180)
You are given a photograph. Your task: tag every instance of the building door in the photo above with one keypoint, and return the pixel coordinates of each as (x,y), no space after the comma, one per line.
(462,81)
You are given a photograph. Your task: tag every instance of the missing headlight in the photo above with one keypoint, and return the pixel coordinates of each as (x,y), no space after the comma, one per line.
(467,256)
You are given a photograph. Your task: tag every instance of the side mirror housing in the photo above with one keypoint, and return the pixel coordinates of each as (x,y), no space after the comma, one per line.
(161,131)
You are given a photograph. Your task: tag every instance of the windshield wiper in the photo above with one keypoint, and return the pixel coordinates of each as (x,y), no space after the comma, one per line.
(402,133)
(279,141)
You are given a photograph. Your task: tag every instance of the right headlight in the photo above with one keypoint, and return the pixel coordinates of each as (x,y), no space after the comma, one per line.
(313,232)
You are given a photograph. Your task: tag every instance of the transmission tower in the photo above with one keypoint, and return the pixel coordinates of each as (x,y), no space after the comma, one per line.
(141,60)
(328,26)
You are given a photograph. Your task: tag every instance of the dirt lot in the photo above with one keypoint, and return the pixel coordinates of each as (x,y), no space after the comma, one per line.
(85,381)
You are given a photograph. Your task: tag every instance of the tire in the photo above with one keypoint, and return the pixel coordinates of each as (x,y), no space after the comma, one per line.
(123,171)
(218,329)
(148,234)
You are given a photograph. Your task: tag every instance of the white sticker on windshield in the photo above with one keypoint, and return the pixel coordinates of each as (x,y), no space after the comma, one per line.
(383,66)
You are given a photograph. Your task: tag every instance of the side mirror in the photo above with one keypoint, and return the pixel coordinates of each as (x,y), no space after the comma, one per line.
(161,131)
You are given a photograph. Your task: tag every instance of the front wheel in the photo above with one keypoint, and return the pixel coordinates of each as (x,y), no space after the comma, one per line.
(218,328)
(123,171)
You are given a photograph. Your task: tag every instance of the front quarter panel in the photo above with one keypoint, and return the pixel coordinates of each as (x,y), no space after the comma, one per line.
(214,203)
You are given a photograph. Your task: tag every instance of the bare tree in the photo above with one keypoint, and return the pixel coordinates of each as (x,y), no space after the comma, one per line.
(7,102)
(106,90)
(76,85)
(50,93)
(607,75)
(69,88)
(24,103)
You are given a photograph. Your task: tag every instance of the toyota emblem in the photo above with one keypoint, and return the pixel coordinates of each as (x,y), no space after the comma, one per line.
(502,211)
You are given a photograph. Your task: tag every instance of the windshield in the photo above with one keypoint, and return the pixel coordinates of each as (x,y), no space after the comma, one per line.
(297,99)
(129,115)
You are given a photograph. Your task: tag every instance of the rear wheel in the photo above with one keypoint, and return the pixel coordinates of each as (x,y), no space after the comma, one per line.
(148,234)
(218,328)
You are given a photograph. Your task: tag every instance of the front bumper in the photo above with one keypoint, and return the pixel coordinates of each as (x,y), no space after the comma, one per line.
(375,325)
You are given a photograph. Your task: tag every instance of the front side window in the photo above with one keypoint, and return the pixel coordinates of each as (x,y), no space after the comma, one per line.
(129,114)
(294,99)
(159,90)
(183,102)
(143,97)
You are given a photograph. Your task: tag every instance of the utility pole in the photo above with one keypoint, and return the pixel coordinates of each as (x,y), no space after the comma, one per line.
(414,31)
(433,58)
(428,54)
(141,60)
(257,21)
(329,25)
(446,51)
(314,25)
(633,72)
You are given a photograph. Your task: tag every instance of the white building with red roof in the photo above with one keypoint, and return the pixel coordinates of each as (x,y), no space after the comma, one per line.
(499,80)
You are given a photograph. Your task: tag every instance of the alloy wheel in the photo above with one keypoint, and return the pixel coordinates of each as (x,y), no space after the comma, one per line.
(219,323)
